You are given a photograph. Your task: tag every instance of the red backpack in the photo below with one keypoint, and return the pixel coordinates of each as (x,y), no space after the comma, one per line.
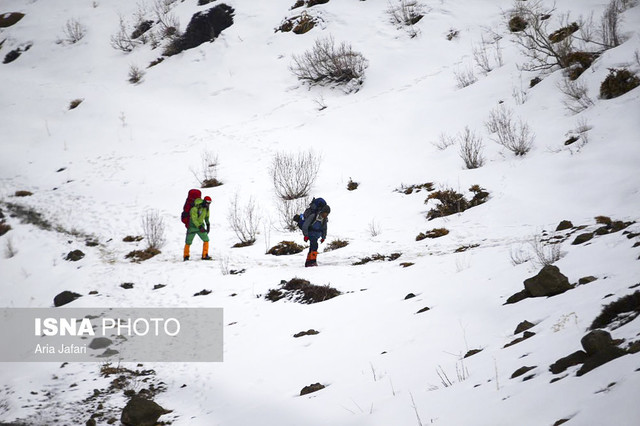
(193,195)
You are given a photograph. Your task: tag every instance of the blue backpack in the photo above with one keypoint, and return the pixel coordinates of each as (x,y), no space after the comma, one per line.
(314,207)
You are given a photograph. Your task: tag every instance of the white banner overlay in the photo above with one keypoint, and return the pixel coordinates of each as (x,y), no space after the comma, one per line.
(111,334)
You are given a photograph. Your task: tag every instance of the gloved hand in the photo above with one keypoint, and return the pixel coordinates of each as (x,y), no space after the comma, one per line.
(306,239)
(322,240)
(208,228)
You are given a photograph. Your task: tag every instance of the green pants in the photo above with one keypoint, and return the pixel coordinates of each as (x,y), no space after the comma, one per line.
(192,234)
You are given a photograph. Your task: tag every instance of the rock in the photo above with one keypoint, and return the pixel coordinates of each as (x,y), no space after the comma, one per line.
(64,298)
(562,364)
(74,256)
(409,296)
(548,282)
(472,352)
(141,412)
(597,341)
(582,238)
(127,286)
(425,309)
(310,332)
(523,326)
(311,388)
(565,224)
(586,280)
(100,343)
(526,335)
(602,357)
(520,371)
(521,295)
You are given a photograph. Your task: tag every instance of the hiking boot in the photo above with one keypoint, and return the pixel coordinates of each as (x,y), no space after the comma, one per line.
(296,218)
(207,257)
(185,258)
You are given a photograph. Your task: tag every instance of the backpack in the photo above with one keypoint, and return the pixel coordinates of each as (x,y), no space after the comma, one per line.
(314,207)
(193,195)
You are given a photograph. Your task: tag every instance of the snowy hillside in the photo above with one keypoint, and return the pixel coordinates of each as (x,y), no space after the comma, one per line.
(99,129)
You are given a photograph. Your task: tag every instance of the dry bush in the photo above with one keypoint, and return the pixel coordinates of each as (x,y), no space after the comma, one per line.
(302,291)
(285,248)
(244,220)
(207,175)
(327,63)
(406,13)
(293,176)
(513,135)
(153,230)
(544,252)
(576,97)
(451,202)
(336,244)
(74,31)
(289,208)
(470,149)
(617,83)
(464,76)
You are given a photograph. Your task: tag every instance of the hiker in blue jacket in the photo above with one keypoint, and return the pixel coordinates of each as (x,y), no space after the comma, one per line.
(314,226)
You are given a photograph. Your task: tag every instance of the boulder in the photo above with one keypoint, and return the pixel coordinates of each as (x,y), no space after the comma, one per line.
(548,282)
(141,412)
(64,298)
(562,364)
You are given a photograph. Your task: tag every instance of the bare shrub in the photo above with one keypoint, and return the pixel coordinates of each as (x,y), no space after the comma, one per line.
(576,96)
(287,209)
(533,37)
(293,175)
(482,55)
(513,135)
(121,40)
(407,13)
(74,31)
(545,253)
(10,249)
(153,230)
(207,175)
(327,63)
(464,76)
(444,141)
(519,256)
(374,228)
(470,149)
(610,24)
(244,220)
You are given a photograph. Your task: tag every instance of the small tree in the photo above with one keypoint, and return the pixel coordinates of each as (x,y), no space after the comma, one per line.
(327,63)
(293,175)
(153,230)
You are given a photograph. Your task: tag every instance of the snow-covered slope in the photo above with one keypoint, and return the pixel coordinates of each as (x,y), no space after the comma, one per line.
(95,170)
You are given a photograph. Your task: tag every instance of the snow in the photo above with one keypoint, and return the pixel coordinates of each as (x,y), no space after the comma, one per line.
(127,149)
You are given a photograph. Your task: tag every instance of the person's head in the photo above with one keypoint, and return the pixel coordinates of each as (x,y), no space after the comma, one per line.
(206,201)
(324,212)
